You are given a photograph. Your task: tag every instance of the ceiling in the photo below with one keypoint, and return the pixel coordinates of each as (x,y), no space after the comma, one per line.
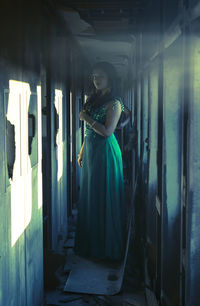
(105,29)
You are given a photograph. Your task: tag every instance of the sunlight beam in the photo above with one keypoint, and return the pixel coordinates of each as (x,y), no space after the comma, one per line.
(59,137)
(21,183)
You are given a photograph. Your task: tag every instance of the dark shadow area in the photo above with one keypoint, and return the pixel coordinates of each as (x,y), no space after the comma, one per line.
(10,147)
(52,262)
(31,131)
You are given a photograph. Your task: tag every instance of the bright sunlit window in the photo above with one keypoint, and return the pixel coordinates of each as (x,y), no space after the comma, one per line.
(21,184)
(39,112)
(59,137)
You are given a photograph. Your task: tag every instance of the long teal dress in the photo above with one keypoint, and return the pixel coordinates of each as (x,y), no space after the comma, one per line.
(100,232)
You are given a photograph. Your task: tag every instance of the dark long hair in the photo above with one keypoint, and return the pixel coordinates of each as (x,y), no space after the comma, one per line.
(95,99)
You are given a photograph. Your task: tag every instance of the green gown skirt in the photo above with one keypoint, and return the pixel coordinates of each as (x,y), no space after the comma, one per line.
(100,232)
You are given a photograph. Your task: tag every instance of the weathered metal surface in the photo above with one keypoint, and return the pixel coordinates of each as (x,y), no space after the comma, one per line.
(192,206)
(139,116)
(21,258)
(145,110)
(34,250)
(171,206)
(152,167)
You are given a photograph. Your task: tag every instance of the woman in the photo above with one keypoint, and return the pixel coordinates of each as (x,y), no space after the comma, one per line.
(100,230)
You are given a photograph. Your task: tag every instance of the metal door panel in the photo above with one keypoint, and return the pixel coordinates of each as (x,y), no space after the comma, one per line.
(139,116)
(193,204)
(171,208)
(152,166)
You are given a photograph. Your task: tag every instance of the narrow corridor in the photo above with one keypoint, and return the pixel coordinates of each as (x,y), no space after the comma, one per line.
(49,99)
(132,291)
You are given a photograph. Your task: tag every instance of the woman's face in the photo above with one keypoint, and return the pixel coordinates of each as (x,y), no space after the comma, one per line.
(100,79)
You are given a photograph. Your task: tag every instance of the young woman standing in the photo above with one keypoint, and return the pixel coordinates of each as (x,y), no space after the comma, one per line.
(100,232)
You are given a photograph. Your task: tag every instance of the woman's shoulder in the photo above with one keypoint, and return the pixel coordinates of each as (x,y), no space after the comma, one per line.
(115,102)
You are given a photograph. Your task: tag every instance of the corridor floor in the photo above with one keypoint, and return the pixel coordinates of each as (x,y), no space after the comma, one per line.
(132,292)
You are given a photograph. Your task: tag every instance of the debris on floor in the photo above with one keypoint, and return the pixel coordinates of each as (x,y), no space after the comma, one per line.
(132,292)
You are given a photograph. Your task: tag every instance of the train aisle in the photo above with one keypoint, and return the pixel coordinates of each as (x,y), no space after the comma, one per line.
(132,292)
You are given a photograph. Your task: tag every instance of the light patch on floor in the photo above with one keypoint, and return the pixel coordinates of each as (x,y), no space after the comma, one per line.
(93,278)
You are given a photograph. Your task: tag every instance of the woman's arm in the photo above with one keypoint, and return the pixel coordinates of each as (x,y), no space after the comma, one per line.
(125,118)
(80,155)
(81,151)
(129,117)
(112,117)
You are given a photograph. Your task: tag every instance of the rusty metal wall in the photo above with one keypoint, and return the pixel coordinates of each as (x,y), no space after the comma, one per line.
(173,82)
(21,232)
(171,209)
(23,56)
(192,259)
(151,211)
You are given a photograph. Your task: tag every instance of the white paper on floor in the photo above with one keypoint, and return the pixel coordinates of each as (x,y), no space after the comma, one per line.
(94,278)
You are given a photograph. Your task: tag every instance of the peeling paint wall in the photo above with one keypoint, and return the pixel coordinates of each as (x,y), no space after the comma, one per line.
(21,248)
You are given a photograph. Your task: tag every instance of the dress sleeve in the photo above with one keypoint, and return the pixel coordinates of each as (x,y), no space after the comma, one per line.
(116,101)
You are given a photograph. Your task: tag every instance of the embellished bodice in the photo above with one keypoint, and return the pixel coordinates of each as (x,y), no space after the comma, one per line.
(99,115)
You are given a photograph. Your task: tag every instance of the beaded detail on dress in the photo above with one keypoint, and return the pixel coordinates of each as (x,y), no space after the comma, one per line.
(99,115)
(116,102)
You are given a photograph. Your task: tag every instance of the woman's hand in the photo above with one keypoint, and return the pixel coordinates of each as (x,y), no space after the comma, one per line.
(80,160)
(80,155)
(83,115)
(128,117)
